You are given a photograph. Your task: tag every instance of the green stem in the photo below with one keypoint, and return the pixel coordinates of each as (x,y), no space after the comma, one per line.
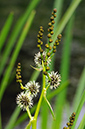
(39,103)
(29,114)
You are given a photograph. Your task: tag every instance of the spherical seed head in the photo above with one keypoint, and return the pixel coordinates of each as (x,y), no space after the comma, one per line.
(49,35)
(55,10)
(51,32)
(24,100)
(49,24)
(46,45)
(50,41)
(33,88)
(55,80)
(38,59)
(41,50)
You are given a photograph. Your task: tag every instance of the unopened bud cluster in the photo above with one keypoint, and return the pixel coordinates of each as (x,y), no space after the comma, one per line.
(50,47)
(18,73)
(42,60)
(70,123)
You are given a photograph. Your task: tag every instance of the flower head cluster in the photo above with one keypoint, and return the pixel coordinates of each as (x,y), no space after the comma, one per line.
(33,87)
(54,80)
(24,100)
(38,59)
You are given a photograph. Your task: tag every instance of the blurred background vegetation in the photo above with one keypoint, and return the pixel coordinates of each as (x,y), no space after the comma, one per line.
(26,54)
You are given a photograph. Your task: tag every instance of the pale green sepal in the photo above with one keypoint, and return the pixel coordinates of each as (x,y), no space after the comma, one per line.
(38,69)
(51,110)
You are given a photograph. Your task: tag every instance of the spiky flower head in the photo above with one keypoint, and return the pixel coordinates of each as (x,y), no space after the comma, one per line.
(39,57)
(33,87)
(24,100)
(55,79)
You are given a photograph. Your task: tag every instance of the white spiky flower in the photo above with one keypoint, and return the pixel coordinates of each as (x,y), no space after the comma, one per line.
(24,100)
(38,59)
(33,87)
(55,79)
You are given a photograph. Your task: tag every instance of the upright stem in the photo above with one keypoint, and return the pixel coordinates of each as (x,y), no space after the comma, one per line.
(39,103)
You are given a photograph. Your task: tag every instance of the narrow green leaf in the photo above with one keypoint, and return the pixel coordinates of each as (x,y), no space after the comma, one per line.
(13,118)
(16,30)
(81,87)
(5,30)
(0,119)
(15,54)
(82,124)
(50,107)
(79,109)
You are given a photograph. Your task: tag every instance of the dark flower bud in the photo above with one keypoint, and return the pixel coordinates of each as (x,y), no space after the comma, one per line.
(45,73)
(39,41)
(49,35)
(38,46)
(41,50)
(53,21)
(46,45)
(54,50)
(47,68)
(48,54)
(51,28)
(52,18)
(55,10)
(50,41)
(49,24)
(51,32)
(54,47)
(50,47)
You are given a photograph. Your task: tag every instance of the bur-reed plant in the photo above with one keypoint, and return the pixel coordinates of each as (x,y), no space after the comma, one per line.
(80,100)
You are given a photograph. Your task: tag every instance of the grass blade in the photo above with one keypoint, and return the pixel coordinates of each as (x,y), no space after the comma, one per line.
(15,54)
(5,30)
(82,124)
(81,87)
(17,28)
(79,109)
(13,118)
